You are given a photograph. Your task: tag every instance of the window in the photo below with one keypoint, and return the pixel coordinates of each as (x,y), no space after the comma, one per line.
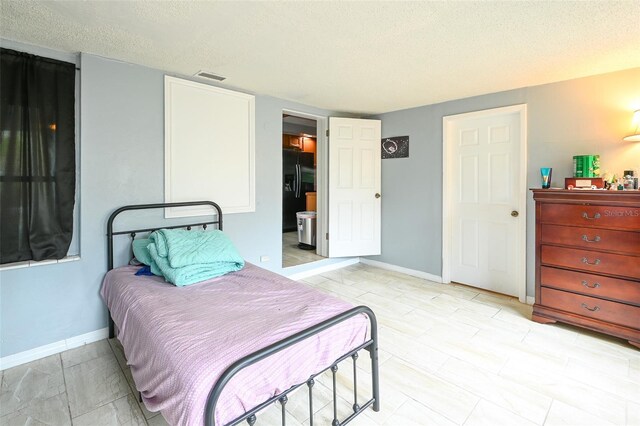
(37,157)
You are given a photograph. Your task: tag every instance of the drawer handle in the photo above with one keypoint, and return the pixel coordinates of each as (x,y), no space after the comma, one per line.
(586,261)
(594,309)
(595,239)
(586,216)
(586,284)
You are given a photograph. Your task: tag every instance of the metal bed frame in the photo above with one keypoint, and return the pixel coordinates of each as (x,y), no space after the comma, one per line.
(370,345)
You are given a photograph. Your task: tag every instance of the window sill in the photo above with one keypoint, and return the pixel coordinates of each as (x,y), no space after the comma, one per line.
(31,263)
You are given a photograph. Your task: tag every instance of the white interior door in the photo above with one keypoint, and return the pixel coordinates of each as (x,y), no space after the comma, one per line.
(486,200)
(354,187)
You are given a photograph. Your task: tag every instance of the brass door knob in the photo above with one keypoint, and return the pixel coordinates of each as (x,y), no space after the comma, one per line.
(377,195)
(514,213)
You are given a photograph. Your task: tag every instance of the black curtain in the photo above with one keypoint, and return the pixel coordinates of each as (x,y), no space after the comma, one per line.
(37,156)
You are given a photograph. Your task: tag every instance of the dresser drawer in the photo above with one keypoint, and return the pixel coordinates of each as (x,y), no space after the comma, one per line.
(591,285)
(592,261)
(591,238)
(590,307)
(598,216)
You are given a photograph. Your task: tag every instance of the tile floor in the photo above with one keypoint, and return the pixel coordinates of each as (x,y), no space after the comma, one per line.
(292,255)
(450,355)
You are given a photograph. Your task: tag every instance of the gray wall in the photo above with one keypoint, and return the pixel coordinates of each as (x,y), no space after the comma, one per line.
(582,116)
(122,162)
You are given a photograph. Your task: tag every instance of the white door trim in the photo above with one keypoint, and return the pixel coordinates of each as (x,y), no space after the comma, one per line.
(447,140)
(322,170)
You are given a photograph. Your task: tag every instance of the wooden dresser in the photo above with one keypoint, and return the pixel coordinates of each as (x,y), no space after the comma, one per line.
(588,260)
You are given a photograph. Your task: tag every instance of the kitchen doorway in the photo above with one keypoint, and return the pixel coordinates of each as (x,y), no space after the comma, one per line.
(301,219)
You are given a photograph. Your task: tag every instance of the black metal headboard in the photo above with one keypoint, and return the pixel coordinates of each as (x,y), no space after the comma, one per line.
(133,232)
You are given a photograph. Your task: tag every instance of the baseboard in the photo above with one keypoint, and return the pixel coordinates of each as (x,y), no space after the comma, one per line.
(531,300)
(396,268)
(322,269)
(52,348)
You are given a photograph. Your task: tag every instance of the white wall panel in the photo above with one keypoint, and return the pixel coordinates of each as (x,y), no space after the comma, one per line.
(209,147)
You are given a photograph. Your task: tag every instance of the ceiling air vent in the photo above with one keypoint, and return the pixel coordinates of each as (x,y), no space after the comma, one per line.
(210,75)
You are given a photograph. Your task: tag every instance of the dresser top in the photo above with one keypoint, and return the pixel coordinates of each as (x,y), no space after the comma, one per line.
(582,196)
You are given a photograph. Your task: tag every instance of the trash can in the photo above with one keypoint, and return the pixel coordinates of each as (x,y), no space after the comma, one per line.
(306,230)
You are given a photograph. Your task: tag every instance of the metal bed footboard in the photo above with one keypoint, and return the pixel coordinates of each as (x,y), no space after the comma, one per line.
(371,344)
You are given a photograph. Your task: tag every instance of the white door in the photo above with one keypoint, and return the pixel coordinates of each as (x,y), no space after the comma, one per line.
(486,201)
(354,187)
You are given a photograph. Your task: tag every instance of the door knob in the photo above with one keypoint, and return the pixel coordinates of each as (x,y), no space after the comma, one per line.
(514,213)
(377,195)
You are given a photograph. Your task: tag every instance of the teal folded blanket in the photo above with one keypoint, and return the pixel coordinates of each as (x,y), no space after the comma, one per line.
(187,257)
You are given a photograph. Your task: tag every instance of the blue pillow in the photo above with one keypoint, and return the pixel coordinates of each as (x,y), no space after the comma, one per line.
(140,250)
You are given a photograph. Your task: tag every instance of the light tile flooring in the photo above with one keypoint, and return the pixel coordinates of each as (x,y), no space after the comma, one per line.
(450,355)
(292,255)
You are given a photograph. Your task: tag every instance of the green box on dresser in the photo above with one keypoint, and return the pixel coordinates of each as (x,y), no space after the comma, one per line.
(588,260)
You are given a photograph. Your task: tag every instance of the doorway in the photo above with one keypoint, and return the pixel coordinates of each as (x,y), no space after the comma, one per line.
(301,216)
(484,200)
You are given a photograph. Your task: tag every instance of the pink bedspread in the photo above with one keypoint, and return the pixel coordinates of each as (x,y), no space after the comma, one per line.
(179,340)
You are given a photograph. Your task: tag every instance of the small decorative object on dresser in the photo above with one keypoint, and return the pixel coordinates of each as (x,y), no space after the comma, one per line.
(583,183)
(545,172)
(588,260)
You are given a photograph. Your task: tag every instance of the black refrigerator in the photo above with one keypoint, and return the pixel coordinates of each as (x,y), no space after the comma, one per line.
(298,178)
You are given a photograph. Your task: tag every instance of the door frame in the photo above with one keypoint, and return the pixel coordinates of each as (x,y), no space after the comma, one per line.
(448,138)
(322,175)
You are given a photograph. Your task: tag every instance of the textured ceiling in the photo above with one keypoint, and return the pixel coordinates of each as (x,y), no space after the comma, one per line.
(361,57)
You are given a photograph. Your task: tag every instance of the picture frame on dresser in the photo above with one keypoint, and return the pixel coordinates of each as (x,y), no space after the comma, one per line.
(588,260)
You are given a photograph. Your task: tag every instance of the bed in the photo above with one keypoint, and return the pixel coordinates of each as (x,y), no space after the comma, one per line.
(217,352)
